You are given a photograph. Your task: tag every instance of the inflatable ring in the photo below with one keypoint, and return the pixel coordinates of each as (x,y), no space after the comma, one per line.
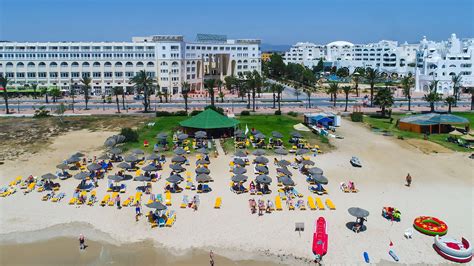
(430,225)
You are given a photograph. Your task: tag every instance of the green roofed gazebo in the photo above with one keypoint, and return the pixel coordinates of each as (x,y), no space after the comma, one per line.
(212,122)
(432,123)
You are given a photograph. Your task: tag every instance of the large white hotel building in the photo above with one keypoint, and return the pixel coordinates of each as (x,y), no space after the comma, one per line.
(427,60)
(168,58)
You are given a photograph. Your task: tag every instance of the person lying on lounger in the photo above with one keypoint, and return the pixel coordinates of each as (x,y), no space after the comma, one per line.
(269,206)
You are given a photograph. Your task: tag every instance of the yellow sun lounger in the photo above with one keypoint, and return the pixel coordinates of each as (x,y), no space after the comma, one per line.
(112,199)
(105,200)
(30,187)
(218,203)
(73,201)
(320,204)
(127,202)
(138,197)
(330,204)
(92,198)
(278,203)
(168,198)
(82,195)
(311,204)
(171,220)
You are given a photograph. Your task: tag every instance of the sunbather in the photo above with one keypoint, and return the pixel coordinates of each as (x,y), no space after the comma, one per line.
(269,206)
(252,205)
(261,207)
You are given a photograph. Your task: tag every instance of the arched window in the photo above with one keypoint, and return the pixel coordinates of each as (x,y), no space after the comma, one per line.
(9,64)
(385,55)
(393,55)
(245,61)
(42,64)
(139,64)
(174,64)
(31,64)
(75,64)
(53,64)
(163,64)
(20,64)
(193,62)
(452,74)
(96,64)
(452,66)
(108,64)
(239,62)
(85,64)
(150,64)
(118,64)
(129,64)
(64,64)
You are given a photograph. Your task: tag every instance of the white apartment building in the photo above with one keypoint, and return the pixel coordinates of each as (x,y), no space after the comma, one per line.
(168,58)
(305,53)
(442,60)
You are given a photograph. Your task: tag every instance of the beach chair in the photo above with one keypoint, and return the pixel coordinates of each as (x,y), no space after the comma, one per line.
(301,205)
(311,204)
(46,197)
(105,200)
(291,207)
(185,202)
(123,188)
(152,221)
(296,193)
(138,198)
(171,219)
(82,195)
(189,184)
(92,198)
(73,201)
(218,203)
(30,187)
(159,197)
(168,198)
(319,203)
(330,204)
(112,199)
(344,187)
(127,202)
(278,203)
(58,197)
(282,194)
(161,222)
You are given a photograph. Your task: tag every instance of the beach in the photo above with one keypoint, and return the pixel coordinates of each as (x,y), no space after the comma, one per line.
(442,187)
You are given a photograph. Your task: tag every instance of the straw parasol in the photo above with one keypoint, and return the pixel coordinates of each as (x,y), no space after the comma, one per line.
(315,171)
(49,176)
(358,212)
(94,167)
(73,159)
(261,169)
(178,159)
(320,179)
(283,163)
(150,168)
(156,205)
(138,151)
(81,176)
(200,134)
(286,181)
(261,159)
(174,179)
(202,161)
(131,158)
(301,151)
(239,161)
(78,154)
(153,157)
(124,165)
(203,178)
(284,171)
(179,151)
(307,162)
(258,152)
(62,166)
(104,157)
(240,153)
(239,178)
(202,150)
(182,136)
(177,167)
(281,151)
(277,134)
(202,170)
(142,178)
(239,170)
(115,151)
(115,178)
(263,179)
(296,134)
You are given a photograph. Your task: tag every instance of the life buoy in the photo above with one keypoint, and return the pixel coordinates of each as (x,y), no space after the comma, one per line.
(430,225)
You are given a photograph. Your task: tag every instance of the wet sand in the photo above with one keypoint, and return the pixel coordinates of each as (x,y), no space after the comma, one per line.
(65,251)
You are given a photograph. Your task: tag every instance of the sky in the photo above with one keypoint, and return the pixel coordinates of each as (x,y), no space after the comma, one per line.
(274,22)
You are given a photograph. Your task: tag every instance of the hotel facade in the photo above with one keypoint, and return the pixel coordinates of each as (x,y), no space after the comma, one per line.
(169,59)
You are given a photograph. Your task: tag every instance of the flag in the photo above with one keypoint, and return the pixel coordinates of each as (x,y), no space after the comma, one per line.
(246,129)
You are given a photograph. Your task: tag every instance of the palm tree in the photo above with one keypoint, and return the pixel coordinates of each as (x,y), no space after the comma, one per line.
(116,91)
(372,75)
(308,92)
(185,88)
(34,86)
(220,84)
(144,83)
(456,80)
(384,99)
(124,91)
(73,94)
(44,91)
(407,83)
(4,82)
(347,90)
(279,89)
(356,80)
(471,90)
(229,83)
(433,96)
(297,92)
(209,84)
(86,85)
(333,90)
(273,89)
(450,100)
(55,93)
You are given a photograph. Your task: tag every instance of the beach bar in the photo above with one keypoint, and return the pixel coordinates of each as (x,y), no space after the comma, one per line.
(432,123)
(212,122)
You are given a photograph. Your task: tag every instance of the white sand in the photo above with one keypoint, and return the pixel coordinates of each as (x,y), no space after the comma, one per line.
(442,187)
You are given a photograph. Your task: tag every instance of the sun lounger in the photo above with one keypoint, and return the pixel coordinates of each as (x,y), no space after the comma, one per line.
(278,203)
(171,219)
(127,202)
(46,197)
(58,197)
(92,198)
(311,204)
(320,204)
(30,187)
(123,188)
(344,188)
(282,194)
(168,198)
(152,221)
(185,202)
(112,199)
(330,204)
(138,198)
(296,193)
(105,200)
(159,197)
(73,201)
(161,222)
(218,203)
(82,195)
(300,204)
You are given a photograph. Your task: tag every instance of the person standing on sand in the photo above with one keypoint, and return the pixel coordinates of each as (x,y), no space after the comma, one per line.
(118,202)
(211,258)
(408,179)
(82,242)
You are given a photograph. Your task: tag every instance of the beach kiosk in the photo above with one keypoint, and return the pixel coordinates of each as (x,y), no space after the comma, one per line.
(212,122)
(432,123)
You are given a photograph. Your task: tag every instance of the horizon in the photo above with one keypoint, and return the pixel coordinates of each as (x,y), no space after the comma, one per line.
(271,17)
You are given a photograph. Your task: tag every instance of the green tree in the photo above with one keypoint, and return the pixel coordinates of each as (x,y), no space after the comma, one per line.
(276,66)
(456,80)
(297,92)
(34,87)
(3,83)
(384,99)
(279,90)
(117,91)
(144,84)
(342,72)
(86,85)
(209,84)
(55,93)
(471,91)
(407,83)
(372,76)
(308,92)
(124,91)
(220,84)
(230,83)
(273,89)
(72,94)
(44,91)
(356,76)
(185,89)
(319,67)
(433,96)
(346,90)
(333,90)
(450,100)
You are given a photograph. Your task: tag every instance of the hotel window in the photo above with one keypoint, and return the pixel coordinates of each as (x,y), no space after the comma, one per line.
(118,74)
(163,47)
(74,74)
(129,74)
(96,74)
(107,74)
(53,74)
(31,74)
(20,75)
(10,74)
(64,74)
(86,74)
(41,74)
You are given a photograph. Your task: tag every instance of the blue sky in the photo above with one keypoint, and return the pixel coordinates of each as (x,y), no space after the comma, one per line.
(275,22)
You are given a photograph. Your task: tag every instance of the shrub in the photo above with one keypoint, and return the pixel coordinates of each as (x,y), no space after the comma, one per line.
(277,112)
(245,113)
(357,117)
(129,134)
(217,109)
(162,113)
(41,112)
(195,112)
(291,113)
(180,113)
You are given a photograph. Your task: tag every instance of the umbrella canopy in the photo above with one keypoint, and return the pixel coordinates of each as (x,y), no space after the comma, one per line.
(81,176)
(94,167)
(263,179)
(138,151)
(209,119)
(73,159)
(287,181)
(239,178)
(156,205)
(261,159)
(262,169)
(320,179)
(281,151)
(182,136)
(239,170)
(104,157)
(174,179)
(239,134)
(307,162)
(178,159)
(153,156)
(259,136)
(200,134)
(162,135)
(131,158)
(258,152)
(115,151)
(177,167)
(277,134)
(202,161)
(301,151)
(115,178)
(296,134)
(124,165)
(179,151)
(48,176)
(284,171)
(62,166)
(202,150)
(202,170)
(240,153)
(150,168)
(78,154)
(239,161)
(455,133)
(202,178)
(283,163)
(468,137)
(315,171)
(358,212)
(142,178)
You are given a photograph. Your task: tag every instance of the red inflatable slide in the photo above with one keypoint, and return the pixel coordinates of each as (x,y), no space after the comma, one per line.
(320,239)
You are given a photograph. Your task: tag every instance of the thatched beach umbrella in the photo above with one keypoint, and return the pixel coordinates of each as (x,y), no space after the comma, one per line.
(177,167)
(283,163)
(259,136)
(203,178)
(239,170)
(142,178)
(284,171)
(124,165)
(182,136)
(115,151)
(263,179)
(296,134)
(137,151)
(200,134)
(261,159)
(239,161)
(49,176)
(78,154)
(131,158)
(320,179)
(258,152)
(94,167)
(301,151)
(202,170)
(281,151)
(239,178)
(174,179)
(156,205)
(162,135)
(277,134)
(62,166)
(286,181)
(153,157)
(81,176)
(73,159)
(261,169)
(104,157)
(239,134)
(115,178)
(203,150)
(149,168)
(178,159)
(358,212)
(240,153)
(315,171)
(307,162)
(179,151)
(202,162)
